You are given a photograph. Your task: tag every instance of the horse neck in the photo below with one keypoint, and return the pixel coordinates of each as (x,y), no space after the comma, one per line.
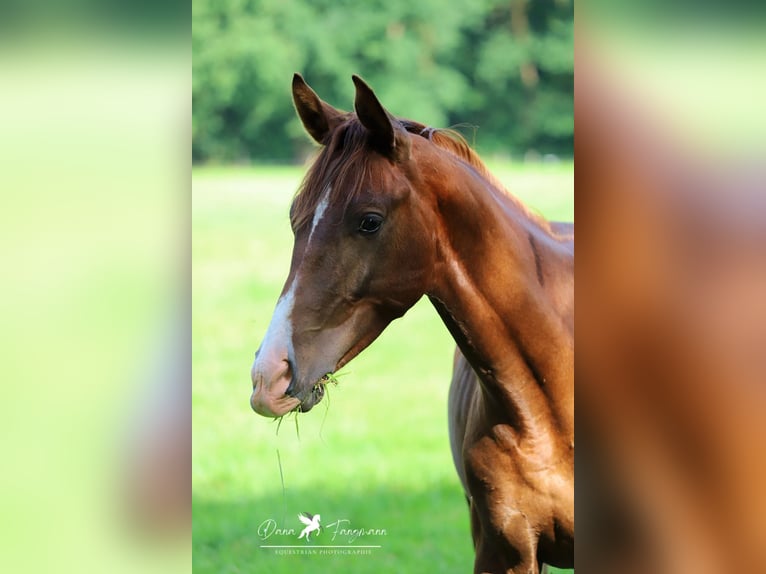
(503,286)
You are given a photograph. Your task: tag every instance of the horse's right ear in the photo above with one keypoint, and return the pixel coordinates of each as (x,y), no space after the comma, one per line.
(318,117)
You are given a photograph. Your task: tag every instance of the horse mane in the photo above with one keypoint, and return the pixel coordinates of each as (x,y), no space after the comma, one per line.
(344,161)
(453,142)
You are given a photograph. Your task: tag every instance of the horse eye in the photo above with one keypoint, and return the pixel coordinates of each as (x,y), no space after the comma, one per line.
(370,223)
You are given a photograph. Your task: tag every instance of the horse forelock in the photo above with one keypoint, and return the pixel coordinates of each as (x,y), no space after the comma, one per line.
(340,169)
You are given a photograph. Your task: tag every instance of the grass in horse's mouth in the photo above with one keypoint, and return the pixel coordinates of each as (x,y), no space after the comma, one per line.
(329,378)
(322,383)
(319,386)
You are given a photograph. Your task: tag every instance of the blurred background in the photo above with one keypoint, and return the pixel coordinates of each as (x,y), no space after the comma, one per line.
(94,335)
(671,272)
(94,245)
(502,68)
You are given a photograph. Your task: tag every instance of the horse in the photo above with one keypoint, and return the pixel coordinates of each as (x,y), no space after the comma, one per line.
(392,210)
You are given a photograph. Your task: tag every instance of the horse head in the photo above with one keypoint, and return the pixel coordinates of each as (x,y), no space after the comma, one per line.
(363,251)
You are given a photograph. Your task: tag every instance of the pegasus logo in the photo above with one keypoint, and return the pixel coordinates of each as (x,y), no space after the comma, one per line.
(311,522)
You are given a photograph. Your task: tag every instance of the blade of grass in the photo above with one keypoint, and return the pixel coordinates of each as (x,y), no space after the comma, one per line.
(282,480)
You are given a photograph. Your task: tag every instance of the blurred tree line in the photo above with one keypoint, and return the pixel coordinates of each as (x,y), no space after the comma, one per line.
(504,66)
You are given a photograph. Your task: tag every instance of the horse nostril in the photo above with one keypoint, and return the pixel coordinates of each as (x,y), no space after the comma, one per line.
(288,374)
(254,376)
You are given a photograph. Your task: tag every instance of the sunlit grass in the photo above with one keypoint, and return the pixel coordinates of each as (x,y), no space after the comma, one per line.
(376,454)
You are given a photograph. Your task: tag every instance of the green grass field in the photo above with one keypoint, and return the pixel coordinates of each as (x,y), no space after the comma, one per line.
(376,454)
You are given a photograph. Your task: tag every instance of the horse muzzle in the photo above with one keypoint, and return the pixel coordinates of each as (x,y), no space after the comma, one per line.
(271,380)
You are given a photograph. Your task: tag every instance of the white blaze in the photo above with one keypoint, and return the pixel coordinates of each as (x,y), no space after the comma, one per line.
(279,336)
(319,213)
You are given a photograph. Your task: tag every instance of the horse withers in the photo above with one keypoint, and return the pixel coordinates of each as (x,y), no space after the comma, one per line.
(392,210)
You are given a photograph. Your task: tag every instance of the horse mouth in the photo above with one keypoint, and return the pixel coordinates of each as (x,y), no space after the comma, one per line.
(318,389)
(315,395)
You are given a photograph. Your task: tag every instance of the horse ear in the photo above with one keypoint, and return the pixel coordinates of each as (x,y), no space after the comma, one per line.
(319,118)
(386,131)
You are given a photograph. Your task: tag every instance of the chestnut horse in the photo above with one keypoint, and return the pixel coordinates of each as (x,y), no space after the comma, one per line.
(392,210)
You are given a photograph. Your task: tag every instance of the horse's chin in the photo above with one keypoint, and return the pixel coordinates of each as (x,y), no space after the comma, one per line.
(314,397)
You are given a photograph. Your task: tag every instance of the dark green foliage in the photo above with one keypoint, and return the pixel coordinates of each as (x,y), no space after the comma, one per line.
(504,67)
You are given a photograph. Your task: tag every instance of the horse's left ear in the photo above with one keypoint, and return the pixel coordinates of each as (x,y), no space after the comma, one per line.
(386,132)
